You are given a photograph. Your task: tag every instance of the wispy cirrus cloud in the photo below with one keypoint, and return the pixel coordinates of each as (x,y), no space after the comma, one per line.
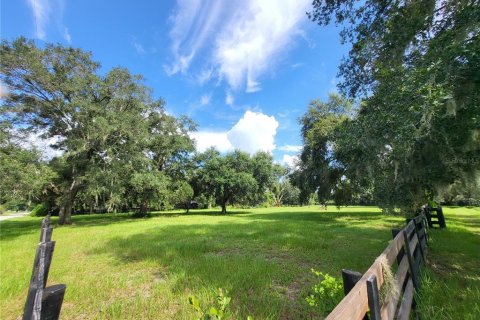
(41,14)
(229,99)
(43,11)
(205,99)
(193,23)
(242,39)
(137,46)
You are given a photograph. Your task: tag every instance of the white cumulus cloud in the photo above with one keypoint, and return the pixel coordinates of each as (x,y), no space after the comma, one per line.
(254,132)
(259,31)
(207,139)
(3,90)
(242,38)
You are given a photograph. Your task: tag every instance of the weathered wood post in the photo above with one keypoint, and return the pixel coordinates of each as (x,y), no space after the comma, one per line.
(373,298)
(350,279)
(43,303)
(440,218)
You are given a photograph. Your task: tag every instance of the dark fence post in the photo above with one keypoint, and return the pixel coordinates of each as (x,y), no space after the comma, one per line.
(43,303)
(441,218)
(402,251)
(411,261)
(52,302)
(350,279)
(373,298)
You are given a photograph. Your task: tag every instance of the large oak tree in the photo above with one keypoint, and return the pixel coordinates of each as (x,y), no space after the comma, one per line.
(114,136)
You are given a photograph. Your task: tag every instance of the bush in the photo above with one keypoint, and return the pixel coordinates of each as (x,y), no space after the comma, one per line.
(326,294)
(40,210)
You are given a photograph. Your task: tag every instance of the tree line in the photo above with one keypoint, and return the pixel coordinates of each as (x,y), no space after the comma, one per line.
(120,150)
(403,130)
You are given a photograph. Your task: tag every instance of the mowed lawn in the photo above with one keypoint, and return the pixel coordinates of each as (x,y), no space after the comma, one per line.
(116,267)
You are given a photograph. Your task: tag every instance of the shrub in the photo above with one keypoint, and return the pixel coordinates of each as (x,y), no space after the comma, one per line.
(217,312)
(326,294)
(40,210)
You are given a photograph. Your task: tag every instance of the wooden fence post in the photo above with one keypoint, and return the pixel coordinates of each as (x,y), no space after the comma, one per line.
(414,273)
(43,303)
(52,302)
(402,251)
(350,279)
(441,218)
(373,298)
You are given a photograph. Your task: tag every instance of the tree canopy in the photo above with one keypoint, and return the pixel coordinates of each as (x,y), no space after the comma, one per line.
(114,136)
(236,177)
(415,68)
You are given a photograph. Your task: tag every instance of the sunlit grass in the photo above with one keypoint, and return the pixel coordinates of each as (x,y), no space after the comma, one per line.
(116,267)
(451,285)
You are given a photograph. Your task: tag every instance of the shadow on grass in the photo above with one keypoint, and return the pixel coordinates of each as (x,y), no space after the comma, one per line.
(264,260)
(10,229)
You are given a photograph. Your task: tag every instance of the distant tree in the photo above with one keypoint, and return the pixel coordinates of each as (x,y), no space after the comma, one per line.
(285,193)
(266,174)
(229,179)
(182,195)
(148,189)
(319,171)
(23,175)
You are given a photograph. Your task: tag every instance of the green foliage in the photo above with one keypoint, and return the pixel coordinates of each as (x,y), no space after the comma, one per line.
(415,66)
(40,210)
(283,192)
(319,171)
(116,138)
(183,195)
(326,294)
(236,178)
(23,174)
(217,312)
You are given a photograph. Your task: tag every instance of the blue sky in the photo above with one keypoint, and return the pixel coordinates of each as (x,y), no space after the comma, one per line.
(243,70)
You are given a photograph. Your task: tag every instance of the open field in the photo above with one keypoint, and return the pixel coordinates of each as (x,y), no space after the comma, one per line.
(118,267)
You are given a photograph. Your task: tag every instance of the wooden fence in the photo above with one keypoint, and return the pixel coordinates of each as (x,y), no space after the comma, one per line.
(405,254)
(434,216)
(43,302)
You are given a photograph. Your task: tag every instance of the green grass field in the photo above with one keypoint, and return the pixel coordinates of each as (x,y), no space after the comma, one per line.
(116,267)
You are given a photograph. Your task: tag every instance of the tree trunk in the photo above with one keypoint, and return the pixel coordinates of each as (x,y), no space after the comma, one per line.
(65,214)
(143,209)
(224,208)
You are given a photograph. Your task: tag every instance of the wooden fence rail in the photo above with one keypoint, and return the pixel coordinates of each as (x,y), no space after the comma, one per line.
(408,251)
(43,302)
